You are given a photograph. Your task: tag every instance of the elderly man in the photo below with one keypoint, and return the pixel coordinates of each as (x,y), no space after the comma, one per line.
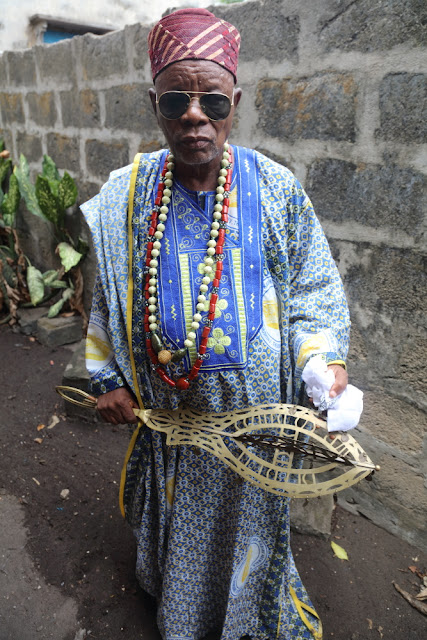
(215,285)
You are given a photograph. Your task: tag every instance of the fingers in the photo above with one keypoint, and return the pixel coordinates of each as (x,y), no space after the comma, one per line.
(341,380)
(116,406)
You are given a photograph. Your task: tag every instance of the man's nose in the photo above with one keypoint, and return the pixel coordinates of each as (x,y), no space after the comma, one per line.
(194,111)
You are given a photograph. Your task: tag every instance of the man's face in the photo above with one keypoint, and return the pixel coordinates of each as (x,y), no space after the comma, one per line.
(193,138)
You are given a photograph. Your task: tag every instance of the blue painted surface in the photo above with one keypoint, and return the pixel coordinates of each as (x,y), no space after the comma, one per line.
(50,35)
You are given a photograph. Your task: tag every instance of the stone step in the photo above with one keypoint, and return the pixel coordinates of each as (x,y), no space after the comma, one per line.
(313,516)
(55,332)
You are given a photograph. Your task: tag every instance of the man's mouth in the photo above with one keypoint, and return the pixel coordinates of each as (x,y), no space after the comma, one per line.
(195,142)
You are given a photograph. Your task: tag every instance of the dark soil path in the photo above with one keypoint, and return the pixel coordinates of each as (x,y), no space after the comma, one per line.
(82,546)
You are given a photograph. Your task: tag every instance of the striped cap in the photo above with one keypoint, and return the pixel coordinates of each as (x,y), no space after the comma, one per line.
(193,34)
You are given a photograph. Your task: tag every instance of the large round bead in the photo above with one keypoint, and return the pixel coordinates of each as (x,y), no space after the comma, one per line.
(164,356)
(182,384)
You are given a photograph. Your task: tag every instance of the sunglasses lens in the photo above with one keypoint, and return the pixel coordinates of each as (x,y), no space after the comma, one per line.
(215,105)
(173,104)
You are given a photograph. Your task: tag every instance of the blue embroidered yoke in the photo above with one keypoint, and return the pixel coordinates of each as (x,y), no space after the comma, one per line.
(213,549)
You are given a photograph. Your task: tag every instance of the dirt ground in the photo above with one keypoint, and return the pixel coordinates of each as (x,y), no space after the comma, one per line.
(81,546)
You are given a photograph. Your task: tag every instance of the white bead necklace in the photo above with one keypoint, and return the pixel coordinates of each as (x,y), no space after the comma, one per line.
(212,261)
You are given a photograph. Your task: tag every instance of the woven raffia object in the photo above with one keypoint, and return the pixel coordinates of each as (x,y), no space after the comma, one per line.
(283,448)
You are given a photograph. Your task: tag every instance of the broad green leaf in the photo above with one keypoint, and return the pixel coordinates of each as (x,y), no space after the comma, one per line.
(49,169)
(69,256)
(47,201)
(5,166)
(1,196)
(35,284)
(339,551)
(27,189)
(58,284)
(56,308)
(50,276)
(67,191)
(54,187)
(23,166)
(10,203)
(1,144)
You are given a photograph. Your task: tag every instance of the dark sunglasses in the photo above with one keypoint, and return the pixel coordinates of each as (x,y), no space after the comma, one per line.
(173,104)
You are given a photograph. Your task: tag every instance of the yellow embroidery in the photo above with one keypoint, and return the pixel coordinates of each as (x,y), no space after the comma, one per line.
(219,341)
(233,199)
(96,349)
(247,566)
(271,313)
(316,344)
(170,490)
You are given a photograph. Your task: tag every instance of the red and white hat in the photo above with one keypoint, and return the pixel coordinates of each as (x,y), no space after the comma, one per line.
(193,34)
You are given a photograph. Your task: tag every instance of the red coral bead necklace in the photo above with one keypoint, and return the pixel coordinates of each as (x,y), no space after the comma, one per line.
(212,265)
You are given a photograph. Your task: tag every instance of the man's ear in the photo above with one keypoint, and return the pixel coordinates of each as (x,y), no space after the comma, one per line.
(237,96)
(152,94)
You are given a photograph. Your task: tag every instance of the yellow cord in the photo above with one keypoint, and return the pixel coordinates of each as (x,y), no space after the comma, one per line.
(129,307)
(123,473)
(129,304)
(316,633)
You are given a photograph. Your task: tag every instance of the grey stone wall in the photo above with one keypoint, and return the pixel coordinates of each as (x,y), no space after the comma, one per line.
(334,89)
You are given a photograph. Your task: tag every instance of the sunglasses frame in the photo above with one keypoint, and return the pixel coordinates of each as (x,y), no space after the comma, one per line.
(193,94)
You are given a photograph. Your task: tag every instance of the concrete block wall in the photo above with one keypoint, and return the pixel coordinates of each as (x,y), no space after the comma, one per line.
(334,89)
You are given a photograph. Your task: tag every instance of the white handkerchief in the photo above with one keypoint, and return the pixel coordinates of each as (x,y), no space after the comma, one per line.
(344,410)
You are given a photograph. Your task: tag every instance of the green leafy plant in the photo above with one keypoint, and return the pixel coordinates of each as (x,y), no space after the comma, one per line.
(48,199)
(12,260)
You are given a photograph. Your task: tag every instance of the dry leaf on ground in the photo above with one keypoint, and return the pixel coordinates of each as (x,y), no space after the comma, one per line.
(53,421)
(339,551)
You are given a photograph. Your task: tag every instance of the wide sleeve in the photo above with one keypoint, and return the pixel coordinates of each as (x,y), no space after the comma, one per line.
(107,351)
(313,313)
(318,312)
(104,372)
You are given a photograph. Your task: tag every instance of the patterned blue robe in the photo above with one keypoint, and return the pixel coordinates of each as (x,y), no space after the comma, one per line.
(214,550)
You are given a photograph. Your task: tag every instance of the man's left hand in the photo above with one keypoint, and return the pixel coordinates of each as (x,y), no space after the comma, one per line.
(341,380)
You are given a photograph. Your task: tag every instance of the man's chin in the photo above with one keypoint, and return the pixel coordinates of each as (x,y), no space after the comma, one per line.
(197,155)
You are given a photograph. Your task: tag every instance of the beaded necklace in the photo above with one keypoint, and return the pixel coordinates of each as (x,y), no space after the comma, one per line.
(159,356)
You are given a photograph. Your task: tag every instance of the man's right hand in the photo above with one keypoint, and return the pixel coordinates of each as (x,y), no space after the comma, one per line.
(116,406)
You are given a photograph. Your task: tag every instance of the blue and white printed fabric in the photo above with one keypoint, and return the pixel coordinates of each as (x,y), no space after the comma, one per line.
(212,549)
